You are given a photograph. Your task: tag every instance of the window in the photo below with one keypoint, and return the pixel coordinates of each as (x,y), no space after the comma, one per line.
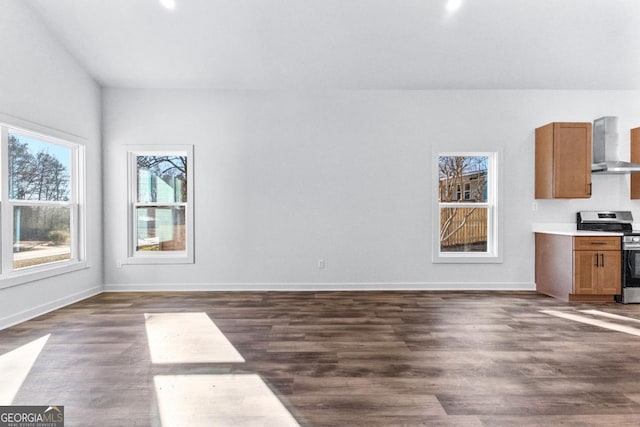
(161,200)
(40,215)
(467,208)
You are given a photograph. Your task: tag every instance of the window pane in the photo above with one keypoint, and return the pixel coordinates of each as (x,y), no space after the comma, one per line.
(162,179)
(41,234)
(458,172)
(38,170)
(463,229)
(161,229)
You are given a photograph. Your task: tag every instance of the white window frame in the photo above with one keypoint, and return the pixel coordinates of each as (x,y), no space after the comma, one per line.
(158,257)
(494,213)
(8,275)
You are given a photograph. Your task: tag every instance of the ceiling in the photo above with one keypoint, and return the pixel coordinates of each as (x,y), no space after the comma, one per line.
(351,44)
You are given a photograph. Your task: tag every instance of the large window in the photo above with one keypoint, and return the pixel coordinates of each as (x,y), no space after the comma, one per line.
(160,199)
(467,208)
(41,198)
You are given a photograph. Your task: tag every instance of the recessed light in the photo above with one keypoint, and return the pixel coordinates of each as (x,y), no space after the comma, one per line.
(453,5)
(169,4)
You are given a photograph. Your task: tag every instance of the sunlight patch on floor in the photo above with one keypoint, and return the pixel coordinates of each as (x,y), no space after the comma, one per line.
(595,322)
(15,366)
(187,338)
(219,400)
(610,315)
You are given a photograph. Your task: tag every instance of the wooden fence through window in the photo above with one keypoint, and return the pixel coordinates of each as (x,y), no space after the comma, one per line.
(473,232)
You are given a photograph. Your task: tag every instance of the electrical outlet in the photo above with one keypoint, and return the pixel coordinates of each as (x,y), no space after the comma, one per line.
(320,263)
(534,206)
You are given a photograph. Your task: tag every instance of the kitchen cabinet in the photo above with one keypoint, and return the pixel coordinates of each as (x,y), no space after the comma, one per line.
(578,268)
(635,158)
(563,161)
(597,271)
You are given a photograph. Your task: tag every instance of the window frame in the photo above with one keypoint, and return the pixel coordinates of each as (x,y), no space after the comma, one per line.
(135,256)
(494,212)
(77,261)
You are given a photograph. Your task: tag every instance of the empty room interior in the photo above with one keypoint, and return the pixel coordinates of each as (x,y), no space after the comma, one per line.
(320,213)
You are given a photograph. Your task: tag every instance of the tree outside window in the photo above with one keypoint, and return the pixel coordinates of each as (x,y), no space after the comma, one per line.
(162,193)
(161,201)
(464,217)
(40,196)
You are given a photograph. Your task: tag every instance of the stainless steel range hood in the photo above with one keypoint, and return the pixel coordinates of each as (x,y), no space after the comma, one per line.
(606,158)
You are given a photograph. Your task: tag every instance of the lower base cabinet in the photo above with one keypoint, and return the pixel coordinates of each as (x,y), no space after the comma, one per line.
(578,268)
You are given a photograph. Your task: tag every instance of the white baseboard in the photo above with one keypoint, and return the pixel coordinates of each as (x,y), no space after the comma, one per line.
(25,315)
(357,286)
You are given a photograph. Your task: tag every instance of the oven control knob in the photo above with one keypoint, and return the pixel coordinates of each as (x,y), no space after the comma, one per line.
(635,239)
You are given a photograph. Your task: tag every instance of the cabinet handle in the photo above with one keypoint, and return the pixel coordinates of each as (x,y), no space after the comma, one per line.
(601,260)
(598,243)
(589,188)
(596,264)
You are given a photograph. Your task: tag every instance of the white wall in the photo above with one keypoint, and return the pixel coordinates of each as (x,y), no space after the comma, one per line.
(285,178)
(41,86)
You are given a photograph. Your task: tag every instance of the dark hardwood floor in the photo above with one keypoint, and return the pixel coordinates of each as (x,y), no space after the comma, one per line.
(345,359)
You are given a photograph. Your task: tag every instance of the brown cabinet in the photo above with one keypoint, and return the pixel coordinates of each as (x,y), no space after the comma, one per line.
(597,271)
(578,268)
(563,161)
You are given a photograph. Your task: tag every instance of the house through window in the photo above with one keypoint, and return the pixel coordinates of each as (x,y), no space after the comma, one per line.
(161,227)
(466,213)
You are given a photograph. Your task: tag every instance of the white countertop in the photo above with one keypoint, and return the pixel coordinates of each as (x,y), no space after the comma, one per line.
(569,229)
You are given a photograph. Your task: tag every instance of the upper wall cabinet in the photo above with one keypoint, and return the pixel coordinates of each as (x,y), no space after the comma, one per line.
(563,161)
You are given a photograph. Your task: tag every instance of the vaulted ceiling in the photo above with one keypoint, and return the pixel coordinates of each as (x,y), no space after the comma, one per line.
(351,44)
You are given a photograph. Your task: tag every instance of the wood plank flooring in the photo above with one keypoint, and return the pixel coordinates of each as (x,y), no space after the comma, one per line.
(341,359)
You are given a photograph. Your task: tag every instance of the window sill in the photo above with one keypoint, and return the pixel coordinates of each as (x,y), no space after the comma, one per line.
(468,258)
(39,273)
(160,259)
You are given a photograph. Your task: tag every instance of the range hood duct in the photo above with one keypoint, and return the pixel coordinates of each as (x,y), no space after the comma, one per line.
(606,159)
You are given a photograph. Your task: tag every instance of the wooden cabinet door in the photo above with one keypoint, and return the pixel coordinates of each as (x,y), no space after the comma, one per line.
(597,272)
(585,269)
(610,272)
(572,160)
